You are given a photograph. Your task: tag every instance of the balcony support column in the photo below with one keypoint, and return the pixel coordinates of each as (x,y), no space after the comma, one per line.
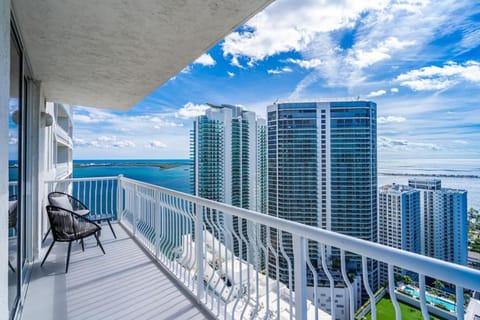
(460,302)
(199,245)
(157,220)
(119,198)
(300,276)
(136,211)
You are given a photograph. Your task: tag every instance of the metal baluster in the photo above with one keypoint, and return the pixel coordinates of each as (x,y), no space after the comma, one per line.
(391,288)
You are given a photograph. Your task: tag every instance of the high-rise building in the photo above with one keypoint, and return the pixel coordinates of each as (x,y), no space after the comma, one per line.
(443,220)
(398,221)
(228,162)
(322,171)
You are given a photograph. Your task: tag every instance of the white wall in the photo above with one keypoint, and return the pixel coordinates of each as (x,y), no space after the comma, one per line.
(4,97)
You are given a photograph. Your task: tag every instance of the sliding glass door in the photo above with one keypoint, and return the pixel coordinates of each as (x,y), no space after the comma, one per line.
(19,199)
(14,170)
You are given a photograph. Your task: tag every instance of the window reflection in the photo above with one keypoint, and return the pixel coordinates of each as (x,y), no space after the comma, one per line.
(13,171)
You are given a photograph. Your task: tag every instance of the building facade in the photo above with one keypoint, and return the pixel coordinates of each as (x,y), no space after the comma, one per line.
(322,169)
(444,221)
(228,154)
(398,221)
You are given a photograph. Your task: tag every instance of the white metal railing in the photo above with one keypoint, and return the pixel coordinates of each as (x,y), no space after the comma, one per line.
(239,274)
(233,278)
(98,194)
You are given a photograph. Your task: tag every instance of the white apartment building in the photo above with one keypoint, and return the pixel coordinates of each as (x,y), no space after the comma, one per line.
(444,221)
(398,220)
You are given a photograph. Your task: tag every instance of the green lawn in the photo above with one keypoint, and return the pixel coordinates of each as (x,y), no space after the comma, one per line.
(385,311)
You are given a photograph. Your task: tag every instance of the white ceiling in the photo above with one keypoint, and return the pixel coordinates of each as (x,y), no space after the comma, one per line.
(112,53)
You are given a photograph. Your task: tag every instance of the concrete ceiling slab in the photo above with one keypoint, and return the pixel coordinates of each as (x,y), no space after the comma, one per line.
(112,53)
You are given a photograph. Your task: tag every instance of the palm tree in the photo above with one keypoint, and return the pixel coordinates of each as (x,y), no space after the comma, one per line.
(439,285)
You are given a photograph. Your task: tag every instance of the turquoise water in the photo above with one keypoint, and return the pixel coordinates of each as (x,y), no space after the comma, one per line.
(435,300)
(143,170)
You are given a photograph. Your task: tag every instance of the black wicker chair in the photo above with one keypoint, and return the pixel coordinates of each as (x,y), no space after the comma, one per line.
(64,200)
(68,226)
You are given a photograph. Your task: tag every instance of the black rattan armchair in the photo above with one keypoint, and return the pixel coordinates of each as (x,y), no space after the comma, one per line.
(68,226)
(66,201)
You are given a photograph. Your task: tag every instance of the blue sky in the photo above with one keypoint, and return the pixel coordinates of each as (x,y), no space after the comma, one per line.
(418,60)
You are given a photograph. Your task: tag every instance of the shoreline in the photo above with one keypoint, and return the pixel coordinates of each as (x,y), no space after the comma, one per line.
(436,175)
(163,165)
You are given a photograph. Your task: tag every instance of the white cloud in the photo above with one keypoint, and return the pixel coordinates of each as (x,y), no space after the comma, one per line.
(462,142)
(306,64)
(363,56)
(155,145)
(205,60)
(296,22)
(394,90)
(376,93)
(186,70)
(231,74)
(390,119)
(104,142)
(279,71)
(121,121)
(191,110)
(403,144)
(439,78)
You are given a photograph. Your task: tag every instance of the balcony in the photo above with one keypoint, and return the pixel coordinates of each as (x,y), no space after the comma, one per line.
(152,269)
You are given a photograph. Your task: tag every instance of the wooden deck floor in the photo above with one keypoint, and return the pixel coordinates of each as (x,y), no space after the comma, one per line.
(125,283)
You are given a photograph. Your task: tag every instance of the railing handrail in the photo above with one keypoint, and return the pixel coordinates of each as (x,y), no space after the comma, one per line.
(446,271)
(81,179)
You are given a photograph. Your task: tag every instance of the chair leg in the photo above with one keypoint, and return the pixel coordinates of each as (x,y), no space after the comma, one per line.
(11,267)
(98,242)
(48,252)
(83,245)
(68,256)
(110,225)
(46,235)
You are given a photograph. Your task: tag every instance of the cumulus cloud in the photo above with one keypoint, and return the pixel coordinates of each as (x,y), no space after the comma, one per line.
(306,64)
(297,22)
(191,110)
(402,144)
(394,90)
(155,144)
(205,60)
(279,71)
(231,74)
(390,119)
(439,78)
(363,55)
(376,93)
(104,142)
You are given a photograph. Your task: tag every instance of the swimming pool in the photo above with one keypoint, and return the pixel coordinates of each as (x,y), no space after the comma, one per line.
(433,299)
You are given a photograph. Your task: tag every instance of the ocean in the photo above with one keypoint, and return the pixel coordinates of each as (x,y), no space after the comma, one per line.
(454,173)
(176,177)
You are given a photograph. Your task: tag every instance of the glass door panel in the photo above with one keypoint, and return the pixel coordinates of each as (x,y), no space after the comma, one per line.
(14,172)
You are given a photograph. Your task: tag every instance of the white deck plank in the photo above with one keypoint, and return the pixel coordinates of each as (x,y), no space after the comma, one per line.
(122,284)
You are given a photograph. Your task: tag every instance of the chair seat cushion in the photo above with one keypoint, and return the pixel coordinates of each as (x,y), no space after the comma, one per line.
(61,202)
(82,212)
(12,205)
(66,227)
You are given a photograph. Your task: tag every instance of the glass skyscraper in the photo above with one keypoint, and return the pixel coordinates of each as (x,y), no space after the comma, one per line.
(228,152)
(322,171)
